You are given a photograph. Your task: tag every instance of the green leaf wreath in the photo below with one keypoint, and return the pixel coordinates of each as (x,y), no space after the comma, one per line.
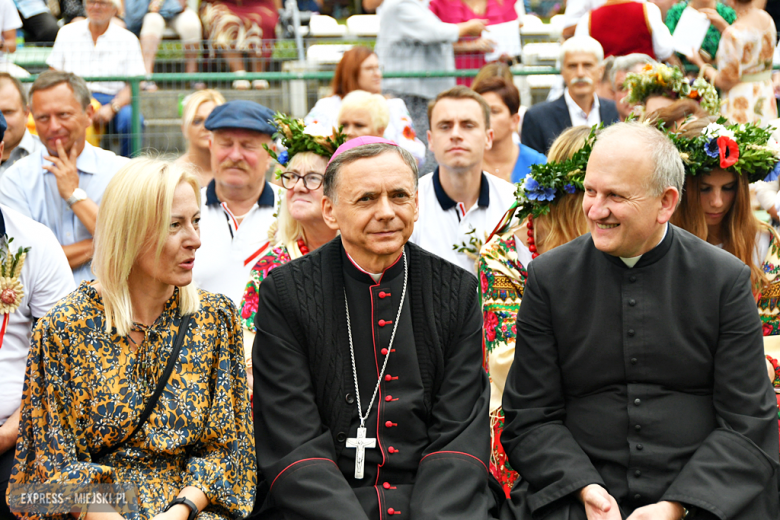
(545,182)
(663,80)
(740,148)
(296,138)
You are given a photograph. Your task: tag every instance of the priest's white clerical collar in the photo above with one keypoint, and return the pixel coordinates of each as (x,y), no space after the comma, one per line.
(631,262)
(375,276)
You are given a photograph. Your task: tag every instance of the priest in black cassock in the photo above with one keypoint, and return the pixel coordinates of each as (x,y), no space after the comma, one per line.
(370,400)
(638,388)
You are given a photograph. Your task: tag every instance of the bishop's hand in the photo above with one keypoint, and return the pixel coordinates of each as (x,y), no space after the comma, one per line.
(599,505)
(659,511)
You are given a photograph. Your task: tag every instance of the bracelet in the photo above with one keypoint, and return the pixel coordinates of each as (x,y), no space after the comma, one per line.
(115,106)
(187,502)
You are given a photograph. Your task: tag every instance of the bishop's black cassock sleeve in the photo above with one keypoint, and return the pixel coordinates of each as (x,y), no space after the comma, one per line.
(538,444)
(736,462)
(452,479)
(295,451)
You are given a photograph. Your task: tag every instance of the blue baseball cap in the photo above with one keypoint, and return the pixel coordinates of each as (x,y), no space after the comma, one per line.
(243,115)
(3,126)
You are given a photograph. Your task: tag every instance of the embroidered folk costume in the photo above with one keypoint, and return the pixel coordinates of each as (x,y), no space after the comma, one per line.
(502,268)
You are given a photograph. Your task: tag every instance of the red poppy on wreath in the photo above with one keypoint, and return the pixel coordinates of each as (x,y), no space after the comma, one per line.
(409,133)
(483,281)
(729,151)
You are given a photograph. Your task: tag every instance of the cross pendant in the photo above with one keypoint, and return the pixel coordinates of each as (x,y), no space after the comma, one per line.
(360,443)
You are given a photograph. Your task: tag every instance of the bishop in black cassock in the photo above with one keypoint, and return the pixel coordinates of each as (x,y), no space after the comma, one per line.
(428,454)
(643,376)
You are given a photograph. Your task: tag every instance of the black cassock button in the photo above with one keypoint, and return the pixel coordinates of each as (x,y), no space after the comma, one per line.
(633,361)
(631,332)
(341,437)
(637,473)
(638,427)
(637,496)
(349,398)
(632,302)
(640,447)
(632,278)
(637,402)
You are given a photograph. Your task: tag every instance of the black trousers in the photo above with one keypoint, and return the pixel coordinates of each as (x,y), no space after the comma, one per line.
(40,28)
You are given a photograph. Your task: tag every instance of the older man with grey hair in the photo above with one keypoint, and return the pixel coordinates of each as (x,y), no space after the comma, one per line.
(581,67)
(639,389)
(621,67)
(370,396)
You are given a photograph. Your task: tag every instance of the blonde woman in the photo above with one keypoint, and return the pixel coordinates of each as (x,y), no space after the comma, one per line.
(101,355)
(363,113)
(197,107)
(503,261)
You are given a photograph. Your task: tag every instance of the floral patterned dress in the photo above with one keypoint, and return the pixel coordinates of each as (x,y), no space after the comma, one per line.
(745,55)
(502,283)
(85,389)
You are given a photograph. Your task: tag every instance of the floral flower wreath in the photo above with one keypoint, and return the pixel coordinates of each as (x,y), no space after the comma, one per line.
(297,137)
(660,79)
(540,187)
(739,148)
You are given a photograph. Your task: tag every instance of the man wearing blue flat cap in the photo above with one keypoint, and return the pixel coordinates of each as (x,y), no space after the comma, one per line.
(239,203)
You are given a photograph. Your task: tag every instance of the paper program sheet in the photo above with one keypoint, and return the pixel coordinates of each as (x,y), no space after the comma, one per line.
(507,38)
(690,31)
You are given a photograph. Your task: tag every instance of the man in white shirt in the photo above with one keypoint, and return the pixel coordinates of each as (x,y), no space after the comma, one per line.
(239,204)
(96,47)
(62,185)
(45,279)
(18,141)
(459,203)
(582,65)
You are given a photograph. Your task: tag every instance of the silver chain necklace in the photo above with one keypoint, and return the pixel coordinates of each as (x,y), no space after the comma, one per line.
(360,443)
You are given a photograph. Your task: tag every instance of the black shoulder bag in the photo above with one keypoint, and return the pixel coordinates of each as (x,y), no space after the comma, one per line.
(161,384)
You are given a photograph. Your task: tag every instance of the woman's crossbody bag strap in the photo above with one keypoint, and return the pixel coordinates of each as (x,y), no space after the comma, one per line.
(161,384)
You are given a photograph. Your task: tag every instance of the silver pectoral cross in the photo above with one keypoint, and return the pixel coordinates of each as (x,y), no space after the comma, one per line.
(360,443)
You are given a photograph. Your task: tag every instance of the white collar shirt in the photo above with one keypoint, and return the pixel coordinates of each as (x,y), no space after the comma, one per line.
(228,251)
(32,191)
(30,144)
(444,223)
(116,53)
(578,115)
(46,278)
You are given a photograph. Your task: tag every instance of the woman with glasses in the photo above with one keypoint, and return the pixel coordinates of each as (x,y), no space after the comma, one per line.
(300,226)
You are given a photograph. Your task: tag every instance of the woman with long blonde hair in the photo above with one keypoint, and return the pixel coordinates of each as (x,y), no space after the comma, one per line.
(142,342)
(519,238)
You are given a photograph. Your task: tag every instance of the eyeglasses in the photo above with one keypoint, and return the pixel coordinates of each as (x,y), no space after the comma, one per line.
(311,181)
